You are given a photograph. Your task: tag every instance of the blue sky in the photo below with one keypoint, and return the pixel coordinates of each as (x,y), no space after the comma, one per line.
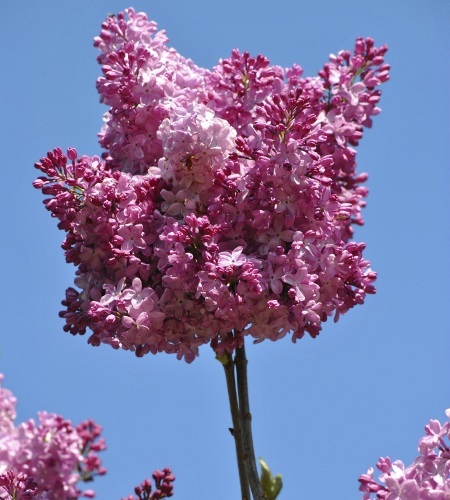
(323,410)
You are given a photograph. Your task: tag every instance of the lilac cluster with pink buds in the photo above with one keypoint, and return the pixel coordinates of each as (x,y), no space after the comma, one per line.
(225,201)
(46,459)
(428,477)
(163,486)
(18,487)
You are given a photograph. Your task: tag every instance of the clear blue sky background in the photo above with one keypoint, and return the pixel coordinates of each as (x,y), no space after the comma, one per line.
(324,410)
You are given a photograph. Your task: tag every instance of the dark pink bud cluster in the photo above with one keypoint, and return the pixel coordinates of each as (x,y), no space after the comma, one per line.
(163,487)
(428,477)
(48,458)
(17,487)
(225,201)
(91,465)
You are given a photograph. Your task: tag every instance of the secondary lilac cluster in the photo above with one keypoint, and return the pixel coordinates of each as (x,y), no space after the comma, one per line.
(20,487)
(46,459)
(224,203)
(163,486)
(428,477)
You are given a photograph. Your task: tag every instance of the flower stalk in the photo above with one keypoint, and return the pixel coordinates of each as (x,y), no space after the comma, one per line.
(236,376)
(246,423)
(236,431)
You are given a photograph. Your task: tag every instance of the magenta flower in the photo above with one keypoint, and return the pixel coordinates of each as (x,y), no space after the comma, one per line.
(140,325)
(163,487)
(428,477)
(225,203)
(46,459)
(20,487)
(231,259)
(137,295)
(132,237)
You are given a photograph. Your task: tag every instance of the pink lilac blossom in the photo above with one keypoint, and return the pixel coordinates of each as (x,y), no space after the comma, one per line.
(428,477)
(224,202)
(48,458)
(20,487)
(163,487)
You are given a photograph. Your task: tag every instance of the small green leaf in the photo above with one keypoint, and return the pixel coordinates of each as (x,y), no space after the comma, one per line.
(278,484)
(270,485)
(266,475)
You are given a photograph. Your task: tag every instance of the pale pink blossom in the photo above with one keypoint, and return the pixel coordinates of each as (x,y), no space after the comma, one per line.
(428,477)
(46,459)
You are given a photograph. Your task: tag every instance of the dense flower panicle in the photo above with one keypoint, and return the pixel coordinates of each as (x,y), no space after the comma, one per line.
(47,458)
(225,201)
(163,487)
(428,477)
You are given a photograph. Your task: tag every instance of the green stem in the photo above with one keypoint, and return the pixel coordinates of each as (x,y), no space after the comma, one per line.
(236,431)
(246,424)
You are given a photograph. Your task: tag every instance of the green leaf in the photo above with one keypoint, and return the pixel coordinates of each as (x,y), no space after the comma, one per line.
(270,485)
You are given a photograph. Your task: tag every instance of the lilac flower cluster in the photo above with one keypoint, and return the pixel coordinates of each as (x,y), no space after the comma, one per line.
(163,486)
(224,203)
(20,487)
(428,477)
(46,459)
